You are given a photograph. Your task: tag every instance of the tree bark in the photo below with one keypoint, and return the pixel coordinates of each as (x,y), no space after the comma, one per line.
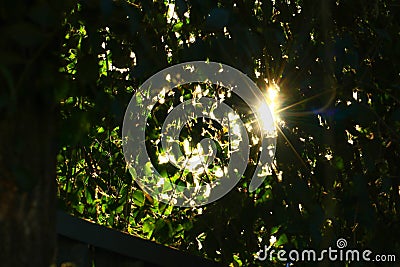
(29,66)
(27,188)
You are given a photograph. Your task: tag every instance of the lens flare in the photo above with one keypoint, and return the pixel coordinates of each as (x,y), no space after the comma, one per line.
(273,100)
(272,105)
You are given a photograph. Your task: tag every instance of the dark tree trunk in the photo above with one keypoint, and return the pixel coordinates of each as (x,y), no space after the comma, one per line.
(27,187)
(29,65)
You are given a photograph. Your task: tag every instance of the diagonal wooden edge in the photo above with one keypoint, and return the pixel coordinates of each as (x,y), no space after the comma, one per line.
(124,244)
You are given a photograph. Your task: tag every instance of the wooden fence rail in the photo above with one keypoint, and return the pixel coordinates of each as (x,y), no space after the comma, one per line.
(85,244)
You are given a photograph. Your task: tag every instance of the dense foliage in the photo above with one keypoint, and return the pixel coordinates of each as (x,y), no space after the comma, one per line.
(337,64)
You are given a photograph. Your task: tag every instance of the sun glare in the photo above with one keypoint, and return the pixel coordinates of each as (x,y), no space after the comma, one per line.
(273,104)
(267,122)
(273,100)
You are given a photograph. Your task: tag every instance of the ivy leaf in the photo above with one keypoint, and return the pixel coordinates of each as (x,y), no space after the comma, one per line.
(138,197)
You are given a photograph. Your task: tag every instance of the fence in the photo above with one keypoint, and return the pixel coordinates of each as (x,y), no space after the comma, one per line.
(85,244)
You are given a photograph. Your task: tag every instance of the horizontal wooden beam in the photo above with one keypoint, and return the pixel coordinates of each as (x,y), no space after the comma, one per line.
(124,244)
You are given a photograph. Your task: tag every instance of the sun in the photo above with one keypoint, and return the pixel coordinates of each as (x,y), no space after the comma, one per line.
(270,106)
(273,91)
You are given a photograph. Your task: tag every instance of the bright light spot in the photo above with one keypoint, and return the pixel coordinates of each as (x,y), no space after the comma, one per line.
(186,14)
(195,163)
(236,130)
(273,92)
(133,57)
(197,92)
(219,172)
(280,176)
(255,140)
(355,95)
(273,105)
(163,158)
(232,116)
(267,122)
(160,182)
(272,240)
(273,100)
(186,147)
(171,14)
(161,96)
(200,157)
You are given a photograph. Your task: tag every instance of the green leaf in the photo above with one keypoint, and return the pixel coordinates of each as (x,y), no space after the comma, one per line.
(281,240)
(138,197)
(80,208)
(177,27)
(275,229)
(339,162)
(88,196)
(120,209)
(148,226)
